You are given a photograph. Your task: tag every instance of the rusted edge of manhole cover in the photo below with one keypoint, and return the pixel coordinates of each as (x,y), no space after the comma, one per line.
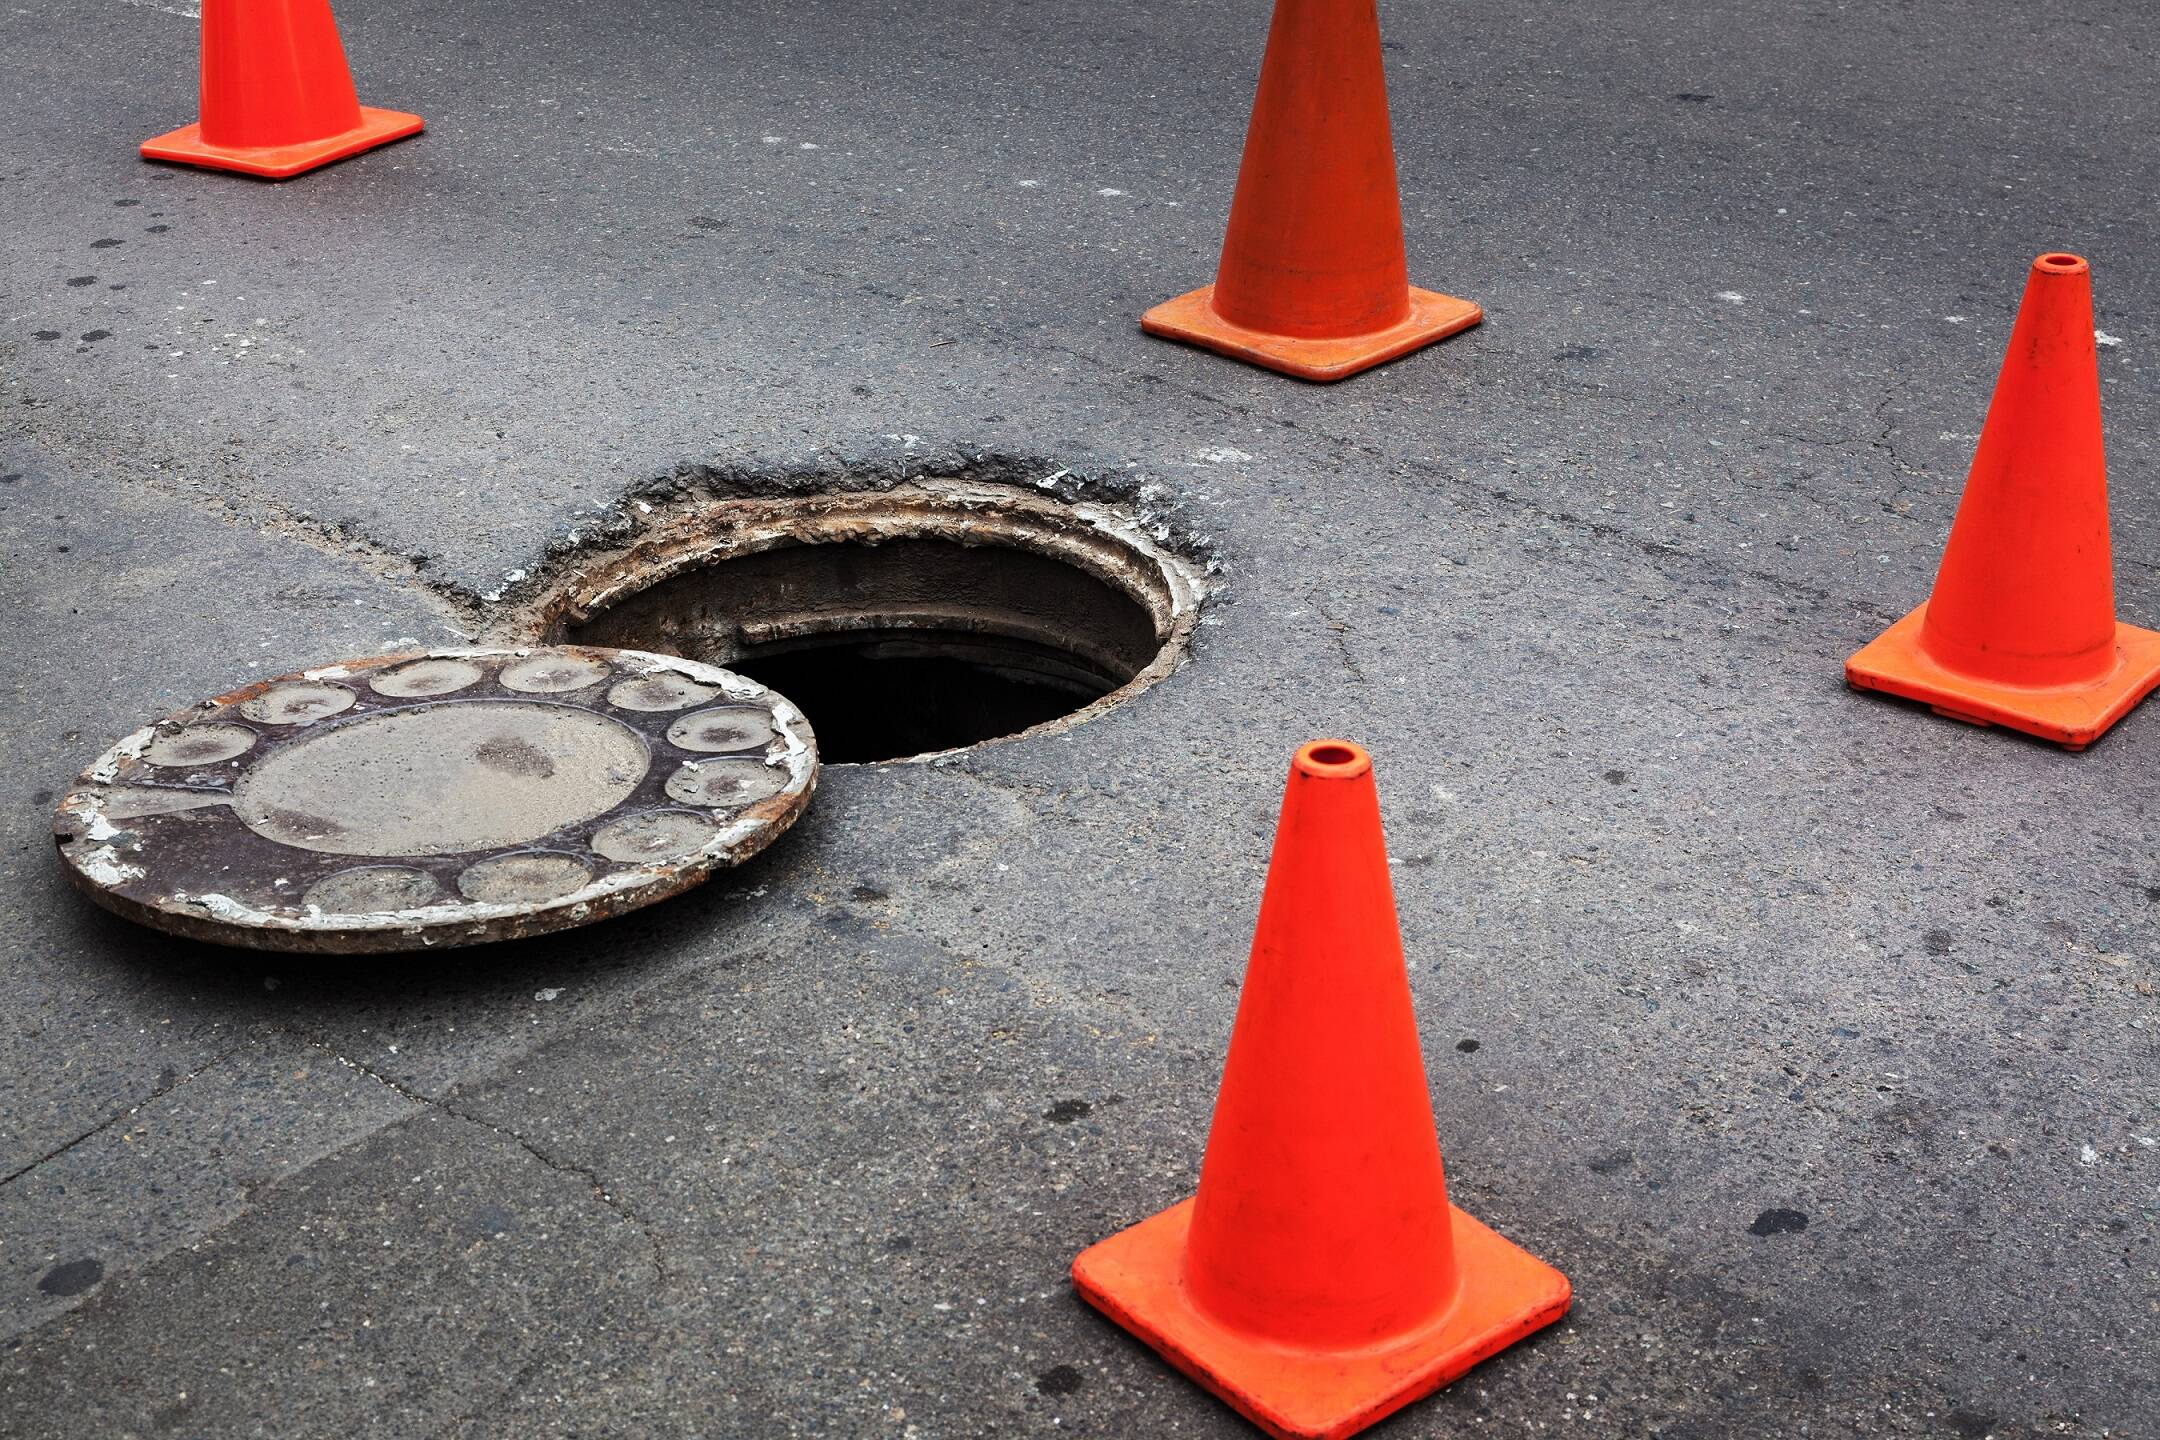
(451,797)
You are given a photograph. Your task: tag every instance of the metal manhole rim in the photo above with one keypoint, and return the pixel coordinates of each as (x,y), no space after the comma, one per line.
(1096,539)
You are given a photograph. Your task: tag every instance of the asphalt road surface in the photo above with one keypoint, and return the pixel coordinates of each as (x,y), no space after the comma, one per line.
(1813,1036)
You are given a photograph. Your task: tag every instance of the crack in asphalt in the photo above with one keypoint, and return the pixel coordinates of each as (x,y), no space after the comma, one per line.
(553,1162)
(1882,440)
(1341,631)
(164,1089)
(340,540)
(517,1382)
(471,614)
(1602,529)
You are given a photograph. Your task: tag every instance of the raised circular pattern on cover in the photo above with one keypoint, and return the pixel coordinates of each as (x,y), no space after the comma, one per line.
(524,876)
(552,672)
(723,728)
(442,779)
(655,835)
(300,702)
(423,801)
(199,745)
(727,781)
(374,889)
(660,692)
(427,677)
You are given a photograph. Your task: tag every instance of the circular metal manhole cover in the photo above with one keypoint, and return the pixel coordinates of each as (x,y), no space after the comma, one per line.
(416,801)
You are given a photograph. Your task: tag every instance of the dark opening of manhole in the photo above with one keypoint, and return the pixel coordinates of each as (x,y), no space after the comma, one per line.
(903,622)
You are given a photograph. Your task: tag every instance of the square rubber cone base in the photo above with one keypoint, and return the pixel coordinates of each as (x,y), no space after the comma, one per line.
(1192,319)
(276,162)
(1134,1277)
(2073,716)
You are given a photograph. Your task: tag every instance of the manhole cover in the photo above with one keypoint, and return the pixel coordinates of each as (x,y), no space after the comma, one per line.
(416,801)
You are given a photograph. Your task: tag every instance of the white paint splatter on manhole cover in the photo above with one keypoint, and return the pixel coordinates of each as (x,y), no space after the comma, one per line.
(419,801)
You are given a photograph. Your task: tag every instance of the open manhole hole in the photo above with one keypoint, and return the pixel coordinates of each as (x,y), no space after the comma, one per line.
(904,622)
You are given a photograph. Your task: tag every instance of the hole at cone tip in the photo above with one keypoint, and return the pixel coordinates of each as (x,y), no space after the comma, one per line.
(903,622)
(2062,261)
(1333,758)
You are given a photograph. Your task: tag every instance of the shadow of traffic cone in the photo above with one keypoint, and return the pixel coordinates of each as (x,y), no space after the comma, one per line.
(2021,629)
(1312,280)
(277,98)
(1320,1280)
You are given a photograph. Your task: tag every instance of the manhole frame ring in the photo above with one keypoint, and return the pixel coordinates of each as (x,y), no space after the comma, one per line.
(1101,542)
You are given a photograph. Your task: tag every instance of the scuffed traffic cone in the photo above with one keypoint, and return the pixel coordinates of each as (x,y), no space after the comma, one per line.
(1312,280)
(1320,1280)
(2021,629)
(276,96)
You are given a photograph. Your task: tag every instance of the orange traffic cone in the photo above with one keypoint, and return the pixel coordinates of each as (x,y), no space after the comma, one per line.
(276,96)
(2021,629)
(1312,280)
(1320,1280)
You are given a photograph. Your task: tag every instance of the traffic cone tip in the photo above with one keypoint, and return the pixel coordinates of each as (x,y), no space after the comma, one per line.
(1332,760)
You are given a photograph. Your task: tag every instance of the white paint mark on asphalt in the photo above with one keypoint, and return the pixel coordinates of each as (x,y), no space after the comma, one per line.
(1108,191)
(2103,338)
(183,10)
(1732,297)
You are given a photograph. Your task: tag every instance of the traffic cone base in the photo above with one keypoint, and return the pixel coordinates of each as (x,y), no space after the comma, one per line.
(1193,319)
(185,146)
(1135,1277)
(2073,716)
